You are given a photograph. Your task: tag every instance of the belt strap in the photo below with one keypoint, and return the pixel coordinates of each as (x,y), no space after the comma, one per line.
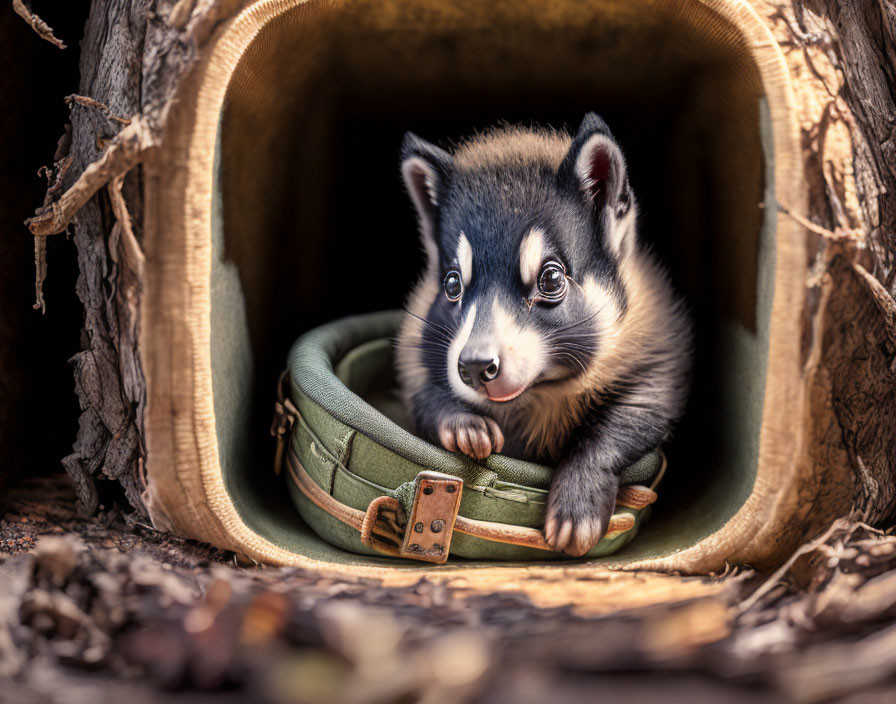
(384,526)
(426,534)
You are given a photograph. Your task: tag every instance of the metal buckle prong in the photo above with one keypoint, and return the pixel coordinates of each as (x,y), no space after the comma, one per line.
(285,415)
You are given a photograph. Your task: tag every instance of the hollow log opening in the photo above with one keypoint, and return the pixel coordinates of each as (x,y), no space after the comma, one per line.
(312,222)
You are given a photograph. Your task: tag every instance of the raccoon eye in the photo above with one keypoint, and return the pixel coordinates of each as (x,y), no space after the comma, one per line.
(552,282)
(453,285)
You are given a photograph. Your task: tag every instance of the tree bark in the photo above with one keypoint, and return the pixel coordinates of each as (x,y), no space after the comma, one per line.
(132,55)
(107,371)
(842,57)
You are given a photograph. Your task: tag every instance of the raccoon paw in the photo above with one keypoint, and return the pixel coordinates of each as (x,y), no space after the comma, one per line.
(475,436)
(579,511)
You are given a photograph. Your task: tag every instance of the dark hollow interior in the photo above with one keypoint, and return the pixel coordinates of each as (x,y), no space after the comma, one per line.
(314,217)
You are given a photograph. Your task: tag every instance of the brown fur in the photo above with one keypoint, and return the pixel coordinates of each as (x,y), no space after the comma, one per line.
(503,146)
(651,324)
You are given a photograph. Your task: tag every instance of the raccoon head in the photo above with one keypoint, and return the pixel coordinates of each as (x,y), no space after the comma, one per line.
(523,231)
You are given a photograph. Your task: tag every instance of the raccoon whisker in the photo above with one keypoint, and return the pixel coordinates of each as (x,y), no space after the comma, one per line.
(573,348)
(583,347)
(576,350)
(576,339)
(575,332)
(432,346)
(444,332)
(587,319)
(433,336)
(433,324)
(437,334)
(448,331)
(575,359)
(579,336)
(436,338)
(569,278)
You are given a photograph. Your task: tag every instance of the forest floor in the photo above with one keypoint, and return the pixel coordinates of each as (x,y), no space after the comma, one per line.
(104,609)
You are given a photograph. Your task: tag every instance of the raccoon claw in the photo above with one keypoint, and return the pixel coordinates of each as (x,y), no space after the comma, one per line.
(577,516)
(475,436)
(575,538)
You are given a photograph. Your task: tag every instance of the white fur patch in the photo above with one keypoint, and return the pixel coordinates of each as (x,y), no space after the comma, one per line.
(557,408)
(454,350)
(602,300)
(531,250)
(621,234)
(465,258)
(521,348)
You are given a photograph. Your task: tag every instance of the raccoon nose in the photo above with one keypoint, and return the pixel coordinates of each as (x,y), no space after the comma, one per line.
(475,370)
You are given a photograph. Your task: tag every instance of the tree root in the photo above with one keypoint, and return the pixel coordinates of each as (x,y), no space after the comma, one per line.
(54,181)
(130,248)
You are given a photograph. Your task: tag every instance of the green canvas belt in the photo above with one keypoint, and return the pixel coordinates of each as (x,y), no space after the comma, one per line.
(367,485)
(418,519)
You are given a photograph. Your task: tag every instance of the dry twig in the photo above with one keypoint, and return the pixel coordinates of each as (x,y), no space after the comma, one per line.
(127,150)
(779,574)
(850,235)
(85,101)
(37,24)
(54,182)
(40,273)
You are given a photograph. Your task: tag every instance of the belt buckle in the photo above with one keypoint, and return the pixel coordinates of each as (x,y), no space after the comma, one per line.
(285,415)
(430,525)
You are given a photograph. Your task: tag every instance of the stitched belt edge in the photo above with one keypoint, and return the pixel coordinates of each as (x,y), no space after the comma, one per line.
(390,536)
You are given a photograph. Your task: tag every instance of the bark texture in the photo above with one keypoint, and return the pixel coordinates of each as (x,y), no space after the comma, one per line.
(842,56)
(132,55)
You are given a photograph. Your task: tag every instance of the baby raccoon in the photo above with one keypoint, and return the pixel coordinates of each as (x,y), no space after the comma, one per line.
(542,327)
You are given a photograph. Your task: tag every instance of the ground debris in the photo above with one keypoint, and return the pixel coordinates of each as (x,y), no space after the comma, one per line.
(106,603)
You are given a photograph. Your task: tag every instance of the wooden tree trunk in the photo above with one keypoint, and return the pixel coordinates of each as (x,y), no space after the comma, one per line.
(132,55)
(842,58)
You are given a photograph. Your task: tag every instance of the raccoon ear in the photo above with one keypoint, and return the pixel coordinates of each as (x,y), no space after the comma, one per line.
(426,170)
(595,167)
